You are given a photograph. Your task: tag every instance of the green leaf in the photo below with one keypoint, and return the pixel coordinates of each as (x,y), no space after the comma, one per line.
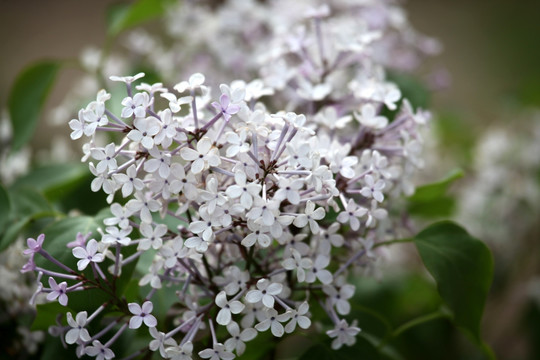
(411,88)
(437,189)
(122,17)
(27,97)
(27,204)
(46,315)
(462,266)
(431,200)
(55,180)
(5,208)
(363,348)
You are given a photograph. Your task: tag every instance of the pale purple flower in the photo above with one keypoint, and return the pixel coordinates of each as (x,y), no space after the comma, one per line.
(369,118)
(265,292)
(238,339)
(226,107)
(318,270)
(227,308)
(217,352)
(78,330)
(34,245)
(100,351)
(343,334)
(351,215)
(87,254)
(205,156)
(373,189)
(273,321)
(298,317)
(58,292)
(127,79)
(144,131)
(141,314)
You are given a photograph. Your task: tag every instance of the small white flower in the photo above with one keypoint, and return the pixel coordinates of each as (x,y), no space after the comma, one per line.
(351,215)
(141,314)
(369,117)
(205,156)
(343,334)
(238,339)
(78,330)
(100,351)
(87,254)
(217,352)
(266,291)
(227,308)
(373,189)
(296,262)
(318,270)
(144,131)
(311,216)
(273,321)
(298,317)
(339,298)
(127,79)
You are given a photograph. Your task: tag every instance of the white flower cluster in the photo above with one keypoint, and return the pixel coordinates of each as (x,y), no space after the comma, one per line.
(256,204)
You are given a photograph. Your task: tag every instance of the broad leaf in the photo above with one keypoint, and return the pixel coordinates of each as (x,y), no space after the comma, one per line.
(431,200)
(27,204)
(47,313)
(462,266)
(362,349)
(123,17)
(55,180)
(27,97)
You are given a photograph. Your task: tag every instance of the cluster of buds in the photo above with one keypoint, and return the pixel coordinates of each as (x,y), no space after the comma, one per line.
(254,206)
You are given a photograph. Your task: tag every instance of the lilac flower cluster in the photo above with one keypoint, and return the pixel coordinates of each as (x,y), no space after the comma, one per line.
(254,204)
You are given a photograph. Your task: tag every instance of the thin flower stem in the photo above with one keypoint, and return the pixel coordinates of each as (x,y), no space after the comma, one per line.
(254,142)
(74,287)
(212,331)
(101,128)
(212,121)
(395,241)
(57,274)
(131,257)
(117,260)
(180,327)
(99,271)
(221,171)
(49,257)
(115,336)
(349,262)
(194,109)
(280,140)
(281,302)
(96,313)
(115,118)
(293,133)
(104,330)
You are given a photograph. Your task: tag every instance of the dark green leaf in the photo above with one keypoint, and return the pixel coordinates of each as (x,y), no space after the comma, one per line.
(26,205)
(411,89)
(123,17)
(55,180)
(362,349)
(47,313)
(27,97)
(5,208)
(462,266)
(54,350)
(431,200)
(437,189)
